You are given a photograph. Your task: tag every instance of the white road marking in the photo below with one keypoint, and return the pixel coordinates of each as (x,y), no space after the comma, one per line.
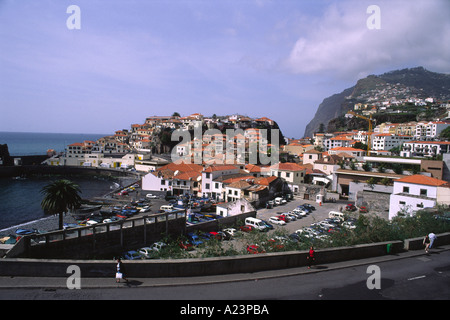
(418,277)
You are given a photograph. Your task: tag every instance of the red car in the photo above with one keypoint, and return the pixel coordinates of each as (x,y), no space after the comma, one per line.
(363,210)
(246,228)
(350,207)
(255,249)
(284,218)
(186,245)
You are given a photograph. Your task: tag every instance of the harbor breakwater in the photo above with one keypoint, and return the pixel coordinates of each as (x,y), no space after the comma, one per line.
(33,169)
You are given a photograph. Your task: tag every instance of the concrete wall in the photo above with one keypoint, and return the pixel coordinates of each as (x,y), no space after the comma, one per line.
(417,243)
(193,267)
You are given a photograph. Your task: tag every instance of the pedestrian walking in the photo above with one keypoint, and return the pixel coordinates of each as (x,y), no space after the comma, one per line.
(120,271)
(426,243)
(311,257)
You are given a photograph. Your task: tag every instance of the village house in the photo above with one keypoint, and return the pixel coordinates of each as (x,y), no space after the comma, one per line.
(416,192)
(292,173)
(211,186)
(425,148)
(239,206)
(387,141)
(176,177)
(430,130)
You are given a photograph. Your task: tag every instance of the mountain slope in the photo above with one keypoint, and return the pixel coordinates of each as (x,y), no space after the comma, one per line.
(399,84)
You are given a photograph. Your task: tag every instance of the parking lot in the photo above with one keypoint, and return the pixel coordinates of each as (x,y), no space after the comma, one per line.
(317,215)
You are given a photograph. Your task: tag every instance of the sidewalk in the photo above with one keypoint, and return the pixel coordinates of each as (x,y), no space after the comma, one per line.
(50,283)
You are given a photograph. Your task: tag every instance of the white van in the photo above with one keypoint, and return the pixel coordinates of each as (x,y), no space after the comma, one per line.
(336,214)
(166,207)
(255,223)
(278,200)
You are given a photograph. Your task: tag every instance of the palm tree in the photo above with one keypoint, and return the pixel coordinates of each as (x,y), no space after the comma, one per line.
(59,197)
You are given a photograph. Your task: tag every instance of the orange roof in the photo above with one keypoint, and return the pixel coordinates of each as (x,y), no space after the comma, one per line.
(265,181)
(290,166)
(346,149)
(425,180)
(219,168)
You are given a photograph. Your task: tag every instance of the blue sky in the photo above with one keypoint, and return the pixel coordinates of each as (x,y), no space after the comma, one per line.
(134,59)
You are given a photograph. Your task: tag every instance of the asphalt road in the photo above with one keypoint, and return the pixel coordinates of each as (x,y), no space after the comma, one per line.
(416,277)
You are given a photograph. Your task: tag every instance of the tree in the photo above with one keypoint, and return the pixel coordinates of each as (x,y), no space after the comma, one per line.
(446,133)
(176,114)
(59,197)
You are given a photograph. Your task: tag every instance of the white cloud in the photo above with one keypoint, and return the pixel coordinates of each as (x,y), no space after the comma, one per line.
(339,43)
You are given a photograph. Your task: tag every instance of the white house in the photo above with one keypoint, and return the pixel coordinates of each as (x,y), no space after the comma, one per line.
(413,193)
(425,148)
(211,188)
(233,208)
(292,173)
(430,130)
(177,178)
(387,141)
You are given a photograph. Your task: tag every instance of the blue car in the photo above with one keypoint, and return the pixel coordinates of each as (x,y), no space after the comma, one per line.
(194,239)
(132,255)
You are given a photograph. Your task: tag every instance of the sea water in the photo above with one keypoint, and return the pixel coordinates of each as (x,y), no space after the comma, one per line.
(31,143)
(20,200)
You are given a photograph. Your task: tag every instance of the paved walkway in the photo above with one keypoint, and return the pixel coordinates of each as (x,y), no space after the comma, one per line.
(50,283)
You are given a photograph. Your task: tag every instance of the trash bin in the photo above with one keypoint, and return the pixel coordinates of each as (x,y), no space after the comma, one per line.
(389,248)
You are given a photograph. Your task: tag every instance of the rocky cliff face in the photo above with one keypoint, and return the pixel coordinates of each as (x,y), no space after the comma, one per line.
(391,86)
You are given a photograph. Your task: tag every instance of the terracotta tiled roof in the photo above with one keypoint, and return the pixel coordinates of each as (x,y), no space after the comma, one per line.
(288,166)
(425,180)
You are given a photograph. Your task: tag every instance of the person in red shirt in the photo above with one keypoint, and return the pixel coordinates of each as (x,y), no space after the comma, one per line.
(311,257)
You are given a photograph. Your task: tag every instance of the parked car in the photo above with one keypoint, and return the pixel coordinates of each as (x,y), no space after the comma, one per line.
(299,212)
(246,228)
(147,252)
(276,220)
(194,239)
(268,225)
(284,218)
(230,231)
(157,246)
(350,207)
(309,206)
(348,225)
(186,245)
(363,210)
(255,249)
(304,208)
(132,255)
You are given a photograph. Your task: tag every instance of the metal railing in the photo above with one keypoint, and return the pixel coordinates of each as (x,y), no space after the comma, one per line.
(98,228)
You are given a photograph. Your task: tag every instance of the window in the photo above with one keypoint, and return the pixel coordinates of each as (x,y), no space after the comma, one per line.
(402,202)
(419,205)
(406,189)
(423,192)
(163,182)
(288,174)
(208,175)
(207,186)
